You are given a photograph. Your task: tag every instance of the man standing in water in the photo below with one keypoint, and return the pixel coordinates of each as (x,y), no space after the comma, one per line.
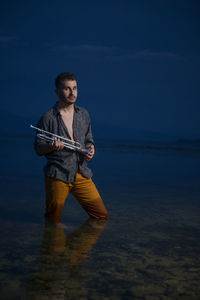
(66,170)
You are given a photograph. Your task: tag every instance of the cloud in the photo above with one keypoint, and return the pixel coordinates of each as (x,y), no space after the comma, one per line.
(8,39)
(85,48)
(148,53)
(126,55)
(112,53)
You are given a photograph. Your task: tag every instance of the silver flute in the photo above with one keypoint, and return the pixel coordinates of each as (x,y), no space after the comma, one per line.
(69,144)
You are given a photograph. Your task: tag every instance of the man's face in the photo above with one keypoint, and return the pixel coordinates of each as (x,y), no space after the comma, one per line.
(67,92)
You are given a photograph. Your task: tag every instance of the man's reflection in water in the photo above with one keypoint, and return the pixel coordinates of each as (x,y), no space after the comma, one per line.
(61,272)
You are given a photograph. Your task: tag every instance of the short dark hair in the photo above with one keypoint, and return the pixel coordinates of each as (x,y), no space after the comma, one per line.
(64,76)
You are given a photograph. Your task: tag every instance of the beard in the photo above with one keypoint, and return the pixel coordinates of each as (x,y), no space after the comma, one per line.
(66,101)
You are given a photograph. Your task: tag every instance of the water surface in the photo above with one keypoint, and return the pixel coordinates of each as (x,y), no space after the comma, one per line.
(148,249)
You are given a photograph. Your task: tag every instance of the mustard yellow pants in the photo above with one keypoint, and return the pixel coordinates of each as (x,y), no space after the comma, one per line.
(83,189)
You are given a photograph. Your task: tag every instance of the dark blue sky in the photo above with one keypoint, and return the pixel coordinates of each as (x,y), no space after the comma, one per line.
(137,61)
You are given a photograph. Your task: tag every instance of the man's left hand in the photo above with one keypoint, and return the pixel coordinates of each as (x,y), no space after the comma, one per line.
(90,155)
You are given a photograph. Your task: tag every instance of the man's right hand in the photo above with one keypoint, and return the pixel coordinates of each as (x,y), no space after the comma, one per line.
(57,145)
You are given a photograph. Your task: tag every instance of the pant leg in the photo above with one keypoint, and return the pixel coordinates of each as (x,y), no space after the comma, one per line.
(85,191)
(56,194)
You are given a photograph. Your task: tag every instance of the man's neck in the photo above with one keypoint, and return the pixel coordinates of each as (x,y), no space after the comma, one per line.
(66,108)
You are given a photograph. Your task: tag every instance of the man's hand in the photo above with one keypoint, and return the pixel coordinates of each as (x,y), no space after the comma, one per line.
(45,148)
(57,145)
(90,155)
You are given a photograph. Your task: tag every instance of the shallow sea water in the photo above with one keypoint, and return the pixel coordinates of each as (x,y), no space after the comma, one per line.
(148,249)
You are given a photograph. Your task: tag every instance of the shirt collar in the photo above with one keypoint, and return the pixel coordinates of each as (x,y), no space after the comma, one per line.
(57,112)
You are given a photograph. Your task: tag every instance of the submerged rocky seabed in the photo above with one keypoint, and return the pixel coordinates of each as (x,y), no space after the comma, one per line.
(149,249)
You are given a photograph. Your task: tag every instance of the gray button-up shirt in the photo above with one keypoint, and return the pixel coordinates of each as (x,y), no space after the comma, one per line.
(65,163)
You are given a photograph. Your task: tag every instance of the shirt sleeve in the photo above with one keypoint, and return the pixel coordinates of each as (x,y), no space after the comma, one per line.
(89,137)
(43,123)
